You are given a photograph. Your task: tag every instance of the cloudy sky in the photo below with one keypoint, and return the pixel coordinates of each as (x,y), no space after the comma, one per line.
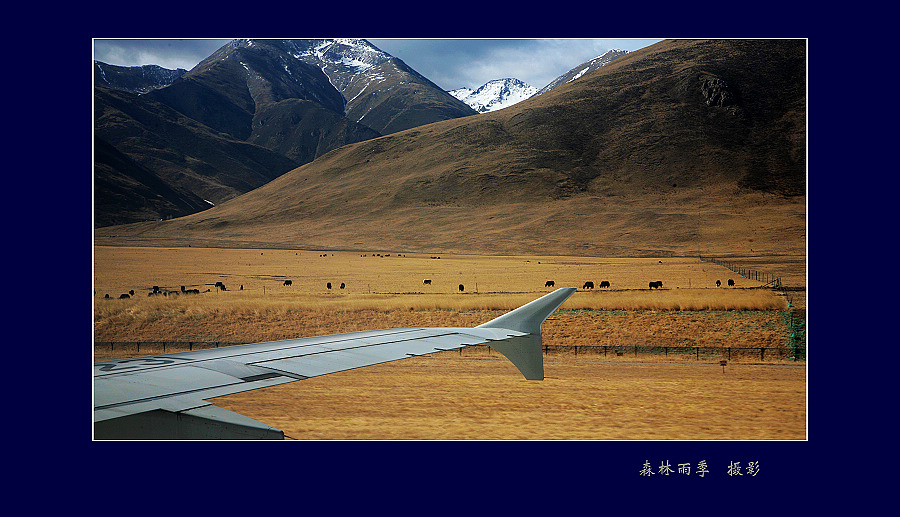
(449,63)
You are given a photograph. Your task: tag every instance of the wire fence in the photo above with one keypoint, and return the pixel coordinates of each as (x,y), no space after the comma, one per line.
(686,352)
(751,274)
(698,353)
(797,325)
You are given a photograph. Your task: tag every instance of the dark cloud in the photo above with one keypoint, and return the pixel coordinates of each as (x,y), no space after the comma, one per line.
(167,53)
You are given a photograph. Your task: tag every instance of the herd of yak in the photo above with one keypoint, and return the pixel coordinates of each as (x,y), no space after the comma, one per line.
(221,286)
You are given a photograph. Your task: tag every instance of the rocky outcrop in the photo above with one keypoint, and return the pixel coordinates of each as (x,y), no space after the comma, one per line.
(717,92)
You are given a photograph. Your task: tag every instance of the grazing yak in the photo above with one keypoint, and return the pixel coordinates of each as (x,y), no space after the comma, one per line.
(657,284)
(604,283)
(287,282)
(730,282)
(588,285)
(550,283)
(427,281)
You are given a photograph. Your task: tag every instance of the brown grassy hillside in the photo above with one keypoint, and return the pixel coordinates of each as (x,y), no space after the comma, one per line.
(680,148)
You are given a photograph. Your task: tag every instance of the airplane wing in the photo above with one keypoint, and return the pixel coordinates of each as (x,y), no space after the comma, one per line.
(166,396)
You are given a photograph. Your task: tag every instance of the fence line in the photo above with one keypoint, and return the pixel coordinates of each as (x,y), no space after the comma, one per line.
(752,274)
(695,352)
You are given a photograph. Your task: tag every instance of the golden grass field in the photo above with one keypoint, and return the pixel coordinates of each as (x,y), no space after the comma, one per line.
(444,397)
(476,394)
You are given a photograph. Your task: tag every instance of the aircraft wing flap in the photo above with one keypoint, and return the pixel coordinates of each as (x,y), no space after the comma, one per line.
(155,384)
(184,401)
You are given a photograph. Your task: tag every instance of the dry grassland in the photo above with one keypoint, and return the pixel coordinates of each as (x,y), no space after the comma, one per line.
(444,397)
(120,269)
(388,291)
(476,394)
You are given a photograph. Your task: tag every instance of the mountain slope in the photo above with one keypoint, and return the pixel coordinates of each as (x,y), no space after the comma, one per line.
(583,68)
(121,182)
(681,147)
(185,155)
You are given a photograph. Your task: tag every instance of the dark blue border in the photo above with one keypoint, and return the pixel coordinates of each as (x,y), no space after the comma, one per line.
(469,475)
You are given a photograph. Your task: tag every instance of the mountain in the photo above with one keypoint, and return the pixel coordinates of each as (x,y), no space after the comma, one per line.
(682,147)
(152,162)
(583,68)
(248,113)
(380,90)
(135,79)
(501,93)
(494,95)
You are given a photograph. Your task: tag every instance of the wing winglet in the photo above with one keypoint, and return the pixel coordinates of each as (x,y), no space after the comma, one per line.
(526,352)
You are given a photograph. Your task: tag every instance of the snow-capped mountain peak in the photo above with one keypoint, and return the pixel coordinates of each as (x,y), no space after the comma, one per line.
(357,54)
(495,95)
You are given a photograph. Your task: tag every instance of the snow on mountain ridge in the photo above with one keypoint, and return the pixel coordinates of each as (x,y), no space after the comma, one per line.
(495,95)
(354,53)
(583,68)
